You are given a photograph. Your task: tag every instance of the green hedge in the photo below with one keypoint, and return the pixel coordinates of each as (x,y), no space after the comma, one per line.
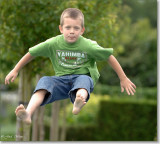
(119,120)
(128,121)
(141,92)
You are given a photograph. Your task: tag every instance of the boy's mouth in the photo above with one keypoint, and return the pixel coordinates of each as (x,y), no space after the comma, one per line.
(71,37)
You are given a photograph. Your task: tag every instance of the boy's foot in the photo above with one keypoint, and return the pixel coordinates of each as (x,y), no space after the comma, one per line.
(22,114)
(78,104)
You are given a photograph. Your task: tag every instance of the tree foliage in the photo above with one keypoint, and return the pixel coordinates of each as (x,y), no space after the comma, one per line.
(135,46)
(27,23)
(143,8)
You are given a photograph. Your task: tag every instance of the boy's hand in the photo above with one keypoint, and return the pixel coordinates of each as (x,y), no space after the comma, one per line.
(128,86)
(12,75)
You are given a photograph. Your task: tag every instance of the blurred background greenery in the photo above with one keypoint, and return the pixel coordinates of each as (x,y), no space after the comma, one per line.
(129,26)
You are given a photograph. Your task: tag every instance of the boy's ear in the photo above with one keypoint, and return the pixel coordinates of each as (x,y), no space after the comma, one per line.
(60,29)
(82,31)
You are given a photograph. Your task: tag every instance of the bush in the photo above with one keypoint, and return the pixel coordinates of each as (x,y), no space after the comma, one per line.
(117,120)
(88,115)
(128,121)
(141,92)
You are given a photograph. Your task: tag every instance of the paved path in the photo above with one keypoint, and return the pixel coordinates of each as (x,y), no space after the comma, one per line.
(11,96)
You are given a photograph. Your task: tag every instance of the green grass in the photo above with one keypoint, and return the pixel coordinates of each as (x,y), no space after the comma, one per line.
(8,132)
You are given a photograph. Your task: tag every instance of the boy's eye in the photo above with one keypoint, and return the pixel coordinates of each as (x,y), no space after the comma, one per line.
(77,28)
(68,27)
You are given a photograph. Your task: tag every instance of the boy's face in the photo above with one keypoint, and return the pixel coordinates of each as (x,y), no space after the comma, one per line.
(71,29)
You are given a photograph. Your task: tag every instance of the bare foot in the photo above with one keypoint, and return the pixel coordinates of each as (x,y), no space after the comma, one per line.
(78,104)
(22,114)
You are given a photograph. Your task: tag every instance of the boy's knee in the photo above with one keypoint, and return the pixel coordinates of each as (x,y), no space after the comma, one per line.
(82,92)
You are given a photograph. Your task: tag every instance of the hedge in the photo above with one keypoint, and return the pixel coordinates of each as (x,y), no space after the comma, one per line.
(141,92)
(119,120)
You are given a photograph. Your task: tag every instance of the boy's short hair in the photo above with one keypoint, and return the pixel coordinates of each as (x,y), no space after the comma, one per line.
(72,13)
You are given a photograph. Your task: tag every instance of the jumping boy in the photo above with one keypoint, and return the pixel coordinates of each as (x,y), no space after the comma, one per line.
(74,61)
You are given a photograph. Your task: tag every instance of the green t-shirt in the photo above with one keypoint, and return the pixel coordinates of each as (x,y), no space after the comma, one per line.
(72,58)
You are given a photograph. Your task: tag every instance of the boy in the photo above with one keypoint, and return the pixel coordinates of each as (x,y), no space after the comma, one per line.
(74,60)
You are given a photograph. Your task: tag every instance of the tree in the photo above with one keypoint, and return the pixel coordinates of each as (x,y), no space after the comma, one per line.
(135,48)
(143,8)
(27,23)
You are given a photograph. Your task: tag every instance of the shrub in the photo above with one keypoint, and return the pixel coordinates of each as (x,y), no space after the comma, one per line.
(128,121)
(117,120)
(141,92)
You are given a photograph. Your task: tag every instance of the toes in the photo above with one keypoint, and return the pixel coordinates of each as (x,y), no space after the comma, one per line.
(20,107)
(82,98)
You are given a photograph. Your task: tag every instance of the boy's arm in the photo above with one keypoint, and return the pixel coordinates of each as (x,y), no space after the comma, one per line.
(124,81)
(23,61)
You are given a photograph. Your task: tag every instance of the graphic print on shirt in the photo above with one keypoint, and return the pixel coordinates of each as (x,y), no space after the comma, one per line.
(71,59)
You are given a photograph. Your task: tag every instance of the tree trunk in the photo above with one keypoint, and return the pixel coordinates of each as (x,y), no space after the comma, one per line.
(54,130)
(24,91)
(63,129)
(35,126)
(38,124)
(26,132)
(19,130)
(41,124)
(19,125)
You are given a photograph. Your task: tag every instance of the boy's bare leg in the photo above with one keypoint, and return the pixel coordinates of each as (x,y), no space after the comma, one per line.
(35,101)
(80,100)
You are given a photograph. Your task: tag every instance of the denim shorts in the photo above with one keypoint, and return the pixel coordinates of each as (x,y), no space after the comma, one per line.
(63,87)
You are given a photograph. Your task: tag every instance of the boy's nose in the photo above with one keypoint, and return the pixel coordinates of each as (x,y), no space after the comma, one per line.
(72,31)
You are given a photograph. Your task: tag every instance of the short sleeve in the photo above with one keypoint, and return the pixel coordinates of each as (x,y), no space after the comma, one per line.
(41,49)
(99,53)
